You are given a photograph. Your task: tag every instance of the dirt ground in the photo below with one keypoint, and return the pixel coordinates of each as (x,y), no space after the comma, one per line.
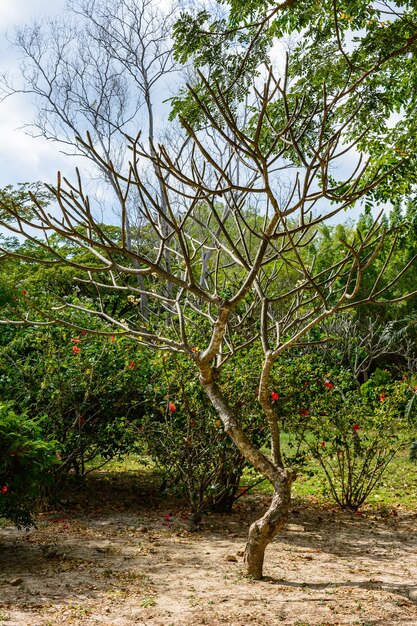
(115,554)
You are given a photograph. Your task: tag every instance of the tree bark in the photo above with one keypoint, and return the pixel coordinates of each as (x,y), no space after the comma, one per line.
(263,531)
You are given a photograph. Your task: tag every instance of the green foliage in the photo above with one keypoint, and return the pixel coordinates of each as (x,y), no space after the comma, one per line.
(352,434)
(186,438)
(358,49)
(373,388)
(104,396)
(21,199)
(89,388)
(26,459)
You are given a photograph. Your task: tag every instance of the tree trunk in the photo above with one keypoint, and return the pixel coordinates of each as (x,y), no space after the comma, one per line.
(263,531)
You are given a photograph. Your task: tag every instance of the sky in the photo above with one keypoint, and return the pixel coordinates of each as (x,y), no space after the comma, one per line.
(23,158)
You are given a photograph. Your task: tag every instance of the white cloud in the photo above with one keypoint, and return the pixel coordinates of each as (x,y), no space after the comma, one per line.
(23,158)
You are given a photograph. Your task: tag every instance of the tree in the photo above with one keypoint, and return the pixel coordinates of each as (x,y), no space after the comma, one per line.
(262,287)
(363,343)
(94,70)
(97,70)
(362,50)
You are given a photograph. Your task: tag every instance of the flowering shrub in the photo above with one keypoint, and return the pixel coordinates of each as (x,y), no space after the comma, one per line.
(25,462)
(361,439)
(186,439)
(85,387)
(350,432)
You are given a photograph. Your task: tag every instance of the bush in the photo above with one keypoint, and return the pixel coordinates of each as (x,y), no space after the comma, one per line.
(187,442)
(186,438)
(352,434)
(25,464)
(88,387)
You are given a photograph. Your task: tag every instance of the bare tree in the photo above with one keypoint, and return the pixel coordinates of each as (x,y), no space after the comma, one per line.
(260,286)
(101,69)
(364,342)
(98,69)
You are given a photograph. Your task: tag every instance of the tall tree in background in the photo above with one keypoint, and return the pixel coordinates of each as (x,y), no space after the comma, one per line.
(101,70)
(258,212)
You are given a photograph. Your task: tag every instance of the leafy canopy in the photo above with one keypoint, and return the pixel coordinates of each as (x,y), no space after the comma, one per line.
(362,53)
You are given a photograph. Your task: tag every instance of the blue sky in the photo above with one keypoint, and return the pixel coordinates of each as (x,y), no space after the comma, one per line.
(23,158)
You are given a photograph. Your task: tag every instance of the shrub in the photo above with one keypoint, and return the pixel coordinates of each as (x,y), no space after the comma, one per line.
(88,388)
(25,464)
(186,439)
(352,434)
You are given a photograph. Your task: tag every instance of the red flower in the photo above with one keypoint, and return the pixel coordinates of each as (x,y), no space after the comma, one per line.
(4,489)
(194,349)
(323,444)
(76,340)
(24,291)
(83,332)
(167,516)
(382,397)
(274,396)
(303,412)
(356,427)
(172,407)
(76,349)
(132,365)
(328,384)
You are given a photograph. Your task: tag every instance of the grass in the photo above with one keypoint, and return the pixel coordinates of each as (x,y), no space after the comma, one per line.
(397,488)
(129,463)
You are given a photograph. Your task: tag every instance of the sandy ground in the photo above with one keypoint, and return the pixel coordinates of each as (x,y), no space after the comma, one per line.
(115,557)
